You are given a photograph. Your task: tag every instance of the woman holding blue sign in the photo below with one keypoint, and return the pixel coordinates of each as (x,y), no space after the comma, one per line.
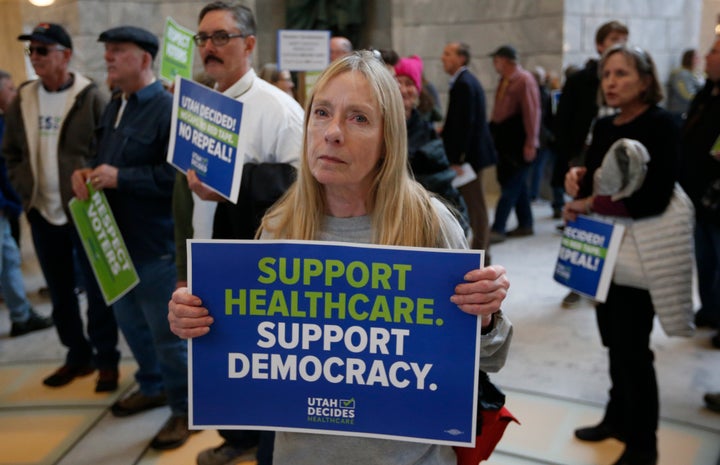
(629,82)
(354,186)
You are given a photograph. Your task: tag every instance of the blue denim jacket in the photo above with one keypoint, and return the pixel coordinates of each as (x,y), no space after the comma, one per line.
(138,146)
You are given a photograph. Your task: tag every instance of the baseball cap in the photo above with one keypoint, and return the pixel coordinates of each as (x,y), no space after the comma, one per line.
(144,39)
(505,51)
(49,33)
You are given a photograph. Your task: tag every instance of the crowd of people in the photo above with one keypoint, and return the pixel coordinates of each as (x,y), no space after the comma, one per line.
(370,160)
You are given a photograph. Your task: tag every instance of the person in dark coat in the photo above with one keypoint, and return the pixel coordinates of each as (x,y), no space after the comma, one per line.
(466,137)
(577,109)
(701,181)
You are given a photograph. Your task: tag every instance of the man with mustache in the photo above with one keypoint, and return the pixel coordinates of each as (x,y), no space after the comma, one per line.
(226,40)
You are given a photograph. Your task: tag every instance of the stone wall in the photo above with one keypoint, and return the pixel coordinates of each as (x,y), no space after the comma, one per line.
(664,28)
(12,59)
(709,24)
(550,33)
(533,27)
(86,19)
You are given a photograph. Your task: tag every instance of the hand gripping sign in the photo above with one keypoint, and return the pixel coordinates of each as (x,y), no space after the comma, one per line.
(206,136)
(104,245)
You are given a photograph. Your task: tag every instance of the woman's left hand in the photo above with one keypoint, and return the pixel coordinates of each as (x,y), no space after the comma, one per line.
(104,177)
(483,293)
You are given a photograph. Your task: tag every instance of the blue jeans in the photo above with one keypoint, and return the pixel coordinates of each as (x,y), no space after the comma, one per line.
(142,317)
(55,247)
(707,255)
(514,194)
(11,278)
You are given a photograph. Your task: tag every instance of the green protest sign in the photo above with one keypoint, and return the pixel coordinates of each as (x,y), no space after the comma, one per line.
(104,246)
(177,51)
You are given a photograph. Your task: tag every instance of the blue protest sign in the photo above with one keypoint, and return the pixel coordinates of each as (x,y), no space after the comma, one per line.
(334,338)
(206,136)
(587,256)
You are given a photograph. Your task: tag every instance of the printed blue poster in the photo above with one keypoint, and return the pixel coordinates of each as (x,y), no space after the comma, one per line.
(206,136)
(334,338)
(587,256)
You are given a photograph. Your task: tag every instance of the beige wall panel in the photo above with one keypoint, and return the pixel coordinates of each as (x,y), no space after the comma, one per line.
(11,51)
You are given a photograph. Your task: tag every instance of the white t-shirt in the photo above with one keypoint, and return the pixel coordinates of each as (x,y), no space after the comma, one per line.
(51,110)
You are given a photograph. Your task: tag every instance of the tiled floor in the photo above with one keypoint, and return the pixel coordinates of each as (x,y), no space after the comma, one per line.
(555,381)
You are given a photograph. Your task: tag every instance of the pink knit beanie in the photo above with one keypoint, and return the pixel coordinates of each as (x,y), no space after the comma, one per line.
(411,67)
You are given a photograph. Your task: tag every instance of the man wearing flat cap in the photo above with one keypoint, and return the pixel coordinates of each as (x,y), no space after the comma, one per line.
(144,39)
(130,168)
(515,126)
(49,131)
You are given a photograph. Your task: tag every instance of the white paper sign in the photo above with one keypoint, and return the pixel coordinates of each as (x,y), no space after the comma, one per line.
(468,175)
(300,50)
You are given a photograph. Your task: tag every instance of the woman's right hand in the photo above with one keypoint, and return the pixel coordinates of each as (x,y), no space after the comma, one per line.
(78,181)
(187,317)
(573,178)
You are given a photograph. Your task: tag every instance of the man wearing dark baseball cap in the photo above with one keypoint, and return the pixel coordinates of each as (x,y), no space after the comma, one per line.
(515,126)
(131,170)
(505,51)
(49,33)
(146,40)
(50,127)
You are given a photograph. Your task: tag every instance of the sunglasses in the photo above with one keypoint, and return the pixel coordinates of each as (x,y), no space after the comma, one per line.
(218,38)
(42,50)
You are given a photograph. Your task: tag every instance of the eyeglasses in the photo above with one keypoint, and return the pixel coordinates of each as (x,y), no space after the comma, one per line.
(42,50)
(218,38)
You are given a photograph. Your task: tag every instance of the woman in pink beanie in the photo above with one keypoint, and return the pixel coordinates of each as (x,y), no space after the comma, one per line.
(426,153)
(428,99)
(411,67)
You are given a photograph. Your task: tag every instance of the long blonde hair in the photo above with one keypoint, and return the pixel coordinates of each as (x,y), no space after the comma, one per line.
(400,209)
